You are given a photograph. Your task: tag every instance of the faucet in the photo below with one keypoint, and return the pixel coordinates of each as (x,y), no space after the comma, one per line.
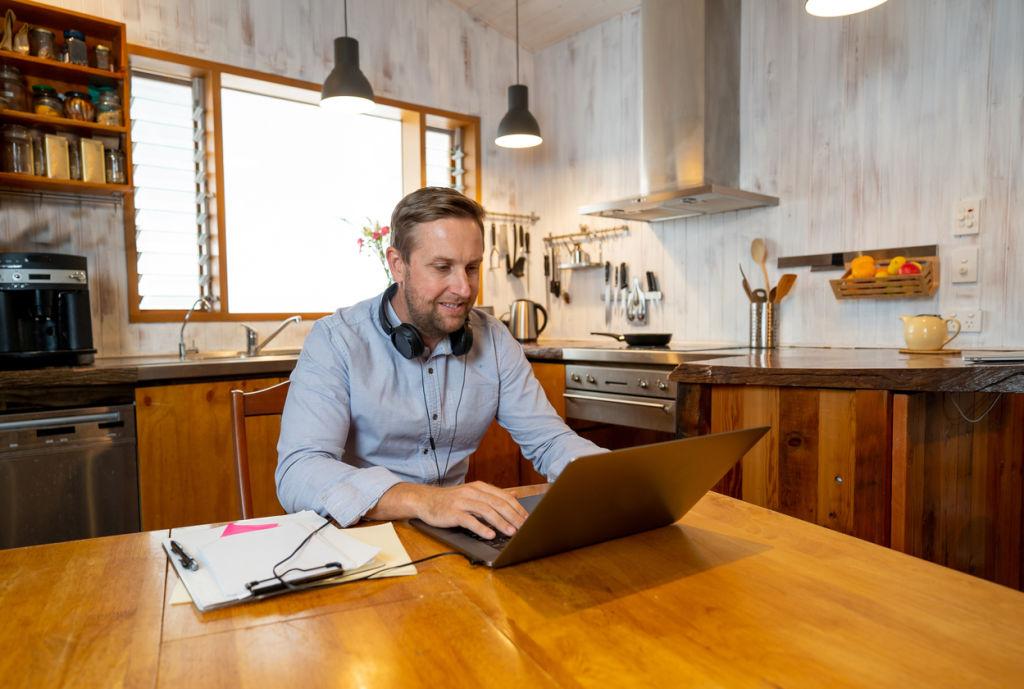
(252,337)
(207,305)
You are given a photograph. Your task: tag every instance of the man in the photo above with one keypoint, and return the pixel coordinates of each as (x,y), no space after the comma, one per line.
(391,395)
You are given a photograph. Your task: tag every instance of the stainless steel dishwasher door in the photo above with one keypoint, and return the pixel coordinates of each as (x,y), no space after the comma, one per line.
(67,474)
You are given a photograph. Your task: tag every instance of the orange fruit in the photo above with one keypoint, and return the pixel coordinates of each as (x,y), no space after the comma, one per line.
(862,267)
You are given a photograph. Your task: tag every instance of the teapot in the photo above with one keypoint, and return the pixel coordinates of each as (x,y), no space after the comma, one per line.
(928,332)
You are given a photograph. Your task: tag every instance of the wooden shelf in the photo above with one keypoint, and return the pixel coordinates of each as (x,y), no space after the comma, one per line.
(31,119)
(64,71)
(67,186)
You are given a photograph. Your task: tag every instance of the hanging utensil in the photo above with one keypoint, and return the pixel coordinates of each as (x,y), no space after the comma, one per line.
(519,260)
(526,253)
(623,282)
(759,252)
(493,259)
(607,292)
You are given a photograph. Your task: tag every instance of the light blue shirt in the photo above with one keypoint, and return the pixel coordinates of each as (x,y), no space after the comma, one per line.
(356,419)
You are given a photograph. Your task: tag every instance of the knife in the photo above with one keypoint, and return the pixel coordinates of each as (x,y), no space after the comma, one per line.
(607,292)
(623,282)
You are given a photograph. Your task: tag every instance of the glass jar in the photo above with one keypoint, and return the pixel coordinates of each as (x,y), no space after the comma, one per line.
(38,152)
(108,107)
(12,89)
(74,154)
(15,150)
(45,101)
(42,43)
(78,53)
(114,163)
(102,54)
(78,106)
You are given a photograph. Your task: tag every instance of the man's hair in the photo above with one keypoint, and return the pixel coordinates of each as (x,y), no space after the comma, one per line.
(425,205)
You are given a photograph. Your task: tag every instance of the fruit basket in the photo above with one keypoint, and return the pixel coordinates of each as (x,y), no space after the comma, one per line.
(898,286)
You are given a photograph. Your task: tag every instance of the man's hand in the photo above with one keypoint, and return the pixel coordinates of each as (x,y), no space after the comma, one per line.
(469,506)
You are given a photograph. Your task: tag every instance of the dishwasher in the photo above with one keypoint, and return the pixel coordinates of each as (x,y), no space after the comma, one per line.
(67,474)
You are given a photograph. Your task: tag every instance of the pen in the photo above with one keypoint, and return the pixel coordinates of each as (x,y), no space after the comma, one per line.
(186,561)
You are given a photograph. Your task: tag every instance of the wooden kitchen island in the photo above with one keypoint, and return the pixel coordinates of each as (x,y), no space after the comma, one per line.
(878,444)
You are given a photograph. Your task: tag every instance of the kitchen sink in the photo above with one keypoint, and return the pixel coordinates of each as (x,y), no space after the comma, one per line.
(220,355)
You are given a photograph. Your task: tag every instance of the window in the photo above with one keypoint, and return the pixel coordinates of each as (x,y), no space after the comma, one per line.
(171,237)
(250,194)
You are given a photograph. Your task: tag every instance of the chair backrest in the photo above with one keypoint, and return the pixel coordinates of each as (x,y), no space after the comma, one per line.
(265,402)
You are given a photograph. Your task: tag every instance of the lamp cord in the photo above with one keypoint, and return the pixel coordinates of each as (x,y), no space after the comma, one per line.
(517,41)
(345,13)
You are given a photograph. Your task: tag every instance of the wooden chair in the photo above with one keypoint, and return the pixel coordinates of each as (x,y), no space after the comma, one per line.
(265,402)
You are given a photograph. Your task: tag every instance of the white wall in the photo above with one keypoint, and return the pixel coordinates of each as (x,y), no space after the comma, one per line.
(419,51)
(868,128)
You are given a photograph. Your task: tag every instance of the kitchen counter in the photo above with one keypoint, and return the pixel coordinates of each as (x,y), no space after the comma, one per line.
(860,369)
(607,350)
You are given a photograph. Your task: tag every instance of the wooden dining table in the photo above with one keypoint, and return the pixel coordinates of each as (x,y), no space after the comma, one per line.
(732,595)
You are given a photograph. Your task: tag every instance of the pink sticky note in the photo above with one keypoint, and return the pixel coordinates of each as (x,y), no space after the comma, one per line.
(233,529)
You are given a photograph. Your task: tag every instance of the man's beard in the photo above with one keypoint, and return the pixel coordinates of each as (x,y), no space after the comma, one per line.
(424,317)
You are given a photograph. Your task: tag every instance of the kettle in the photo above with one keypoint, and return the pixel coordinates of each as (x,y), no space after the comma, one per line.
(927,332)
(521,319)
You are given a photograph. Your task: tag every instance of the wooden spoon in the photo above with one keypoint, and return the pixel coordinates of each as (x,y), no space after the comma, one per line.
(786,283)
(759,252)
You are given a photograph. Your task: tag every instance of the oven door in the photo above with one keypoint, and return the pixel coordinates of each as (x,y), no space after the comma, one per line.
(650,413)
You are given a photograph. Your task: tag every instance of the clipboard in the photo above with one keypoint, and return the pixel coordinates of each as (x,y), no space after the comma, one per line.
(248,554)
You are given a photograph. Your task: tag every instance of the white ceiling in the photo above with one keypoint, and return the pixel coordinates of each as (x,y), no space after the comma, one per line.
(544,22)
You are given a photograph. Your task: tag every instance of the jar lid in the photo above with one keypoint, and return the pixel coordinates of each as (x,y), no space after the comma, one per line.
(78,94)
(73,33)
(40,29)
(45,90)
(101,48)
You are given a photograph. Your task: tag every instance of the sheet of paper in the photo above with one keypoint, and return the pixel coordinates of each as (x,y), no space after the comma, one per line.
(382,536)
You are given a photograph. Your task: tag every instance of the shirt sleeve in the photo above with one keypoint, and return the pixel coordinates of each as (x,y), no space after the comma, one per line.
(525,412)
(314,429)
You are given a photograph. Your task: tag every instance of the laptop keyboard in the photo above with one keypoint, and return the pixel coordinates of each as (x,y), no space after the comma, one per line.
(497,542)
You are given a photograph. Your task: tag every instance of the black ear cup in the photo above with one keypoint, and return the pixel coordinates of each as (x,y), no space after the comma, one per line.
(406,338)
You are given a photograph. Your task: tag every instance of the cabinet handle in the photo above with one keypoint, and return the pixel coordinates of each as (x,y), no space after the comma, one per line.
(631,403)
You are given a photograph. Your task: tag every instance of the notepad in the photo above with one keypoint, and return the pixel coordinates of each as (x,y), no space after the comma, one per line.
(227,564)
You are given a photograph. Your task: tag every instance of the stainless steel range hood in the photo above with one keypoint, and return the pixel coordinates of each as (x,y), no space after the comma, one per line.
(690,115)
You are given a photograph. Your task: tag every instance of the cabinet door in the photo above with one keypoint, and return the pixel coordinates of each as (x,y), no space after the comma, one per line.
(827,458)
(186,462)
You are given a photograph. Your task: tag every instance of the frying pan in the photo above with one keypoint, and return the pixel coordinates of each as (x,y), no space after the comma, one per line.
(641,339)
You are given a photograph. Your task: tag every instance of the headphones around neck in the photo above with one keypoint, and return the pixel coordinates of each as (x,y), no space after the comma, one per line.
(406,338)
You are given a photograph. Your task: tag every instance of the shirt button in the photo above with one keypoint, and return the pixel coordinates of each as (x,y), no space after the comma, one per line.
(424,450)
(434,417)
(430,370)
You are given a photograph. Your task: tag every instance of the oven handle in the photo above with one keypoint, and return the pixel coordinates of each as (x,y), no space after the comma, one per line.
(632,403)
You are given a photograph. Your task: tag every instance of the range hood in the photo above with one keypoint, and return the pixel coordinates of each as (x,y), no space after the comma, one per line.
(690,115)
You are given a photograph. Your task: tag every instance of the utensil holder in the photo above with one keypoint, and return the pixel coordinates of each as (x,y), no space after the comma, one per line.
(764,325)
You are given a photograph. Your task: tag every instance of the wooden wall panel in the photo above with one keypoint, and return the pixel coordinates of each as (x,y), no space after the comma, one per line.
(958,486)
(735,407)
(868,128)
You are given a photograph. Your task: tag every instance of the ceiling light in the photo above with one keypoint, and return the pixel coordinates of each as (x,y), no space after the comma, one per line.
(518,128)
(839,8)
(346,89)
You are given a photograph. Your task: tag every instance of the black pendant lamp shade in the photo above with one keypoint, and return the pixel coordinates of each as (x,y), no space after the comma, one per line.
(518,128)
(346,88)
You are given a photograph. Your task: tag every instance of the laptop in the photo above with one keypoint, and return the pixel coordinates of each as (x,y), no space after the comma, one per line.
(609,495)
(993,357)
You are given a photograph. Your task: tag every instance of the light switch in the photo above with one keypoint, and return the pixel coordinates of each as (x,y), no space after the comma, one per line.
(965,264)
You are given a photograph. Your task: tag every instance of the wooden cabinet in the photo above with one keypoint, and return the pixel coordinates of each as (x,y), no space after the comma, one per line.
(66,77)
(498,460)
(826,459)
(186,465)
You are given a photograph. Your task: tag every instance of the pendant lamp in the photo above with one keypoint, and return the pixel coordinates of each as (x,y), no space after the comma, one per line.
(346,89)
(839,8)
(518,128)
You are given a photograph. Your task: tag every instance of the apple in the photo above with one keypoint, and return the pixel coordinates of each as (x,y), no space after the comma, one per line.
(910,269)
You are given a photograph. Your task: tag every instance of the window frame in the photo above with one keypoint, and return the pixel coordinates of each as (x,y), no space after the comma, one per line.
(415,121)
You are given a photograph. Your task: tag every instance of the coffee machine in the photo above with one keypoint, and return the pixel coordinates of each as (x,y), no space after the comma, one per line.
(44,311)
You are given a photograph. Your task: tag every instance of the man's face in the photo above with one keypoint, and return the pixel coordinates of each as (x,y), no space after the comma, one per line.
(439,283)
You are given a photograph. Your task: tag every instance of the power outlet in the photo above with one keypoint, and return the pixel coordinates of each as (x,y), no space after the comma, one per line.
(967,219)
(970,321)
